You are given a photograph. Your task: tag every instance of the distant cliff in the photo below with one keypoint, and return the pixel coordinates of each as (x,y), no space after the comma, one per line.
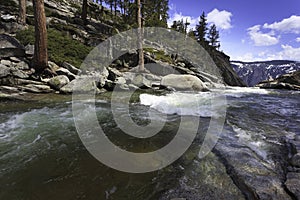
(254,72)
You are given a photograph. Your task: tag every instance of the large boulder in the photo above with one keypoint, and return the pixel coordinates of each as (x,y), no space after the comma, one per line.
(84,84)
(183,82)
(58,82)
(10,47)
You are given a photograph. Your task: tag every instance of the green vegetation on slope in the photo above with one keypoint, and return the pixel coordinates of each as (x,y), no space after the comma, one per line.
(61,47)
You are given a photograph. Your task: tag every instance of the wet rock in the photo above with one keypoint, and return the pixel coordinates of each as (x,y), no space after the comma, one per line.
(71,68)
(10,46)
(183,82)
(255,177)
(58,82)
(292,183)
(63,71)
(4,71)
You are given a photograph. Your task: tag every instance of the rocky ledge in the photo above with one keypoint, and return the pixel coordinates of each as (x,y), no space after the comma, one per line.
(17,76)
(287,81)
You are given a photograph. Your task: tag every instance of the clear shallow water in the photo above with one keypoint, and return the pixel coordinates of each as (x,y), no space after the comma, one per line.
(42,157)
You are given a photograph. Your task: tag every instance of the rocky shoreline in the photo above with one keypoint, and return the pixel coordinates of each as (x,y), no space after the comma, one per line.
(286,81)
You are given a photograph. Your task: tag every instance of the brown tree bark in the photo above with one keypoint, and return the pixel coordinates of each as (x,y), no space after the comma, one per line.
(140,37)
(84,10)
(22,12)
(40,57)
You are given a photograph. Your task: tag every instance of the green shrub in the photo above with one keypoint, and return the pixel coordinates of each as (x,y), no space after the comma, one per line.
(9,4)
(159,55)
(61,47)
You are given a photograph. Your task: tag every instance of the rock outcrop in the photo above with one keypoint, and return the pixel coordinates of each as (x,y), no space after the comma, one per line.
(287,81)
(63,16)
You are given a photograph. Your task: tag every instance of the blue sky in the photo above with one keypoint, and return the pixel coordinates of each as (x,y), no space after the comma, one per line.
(250,30)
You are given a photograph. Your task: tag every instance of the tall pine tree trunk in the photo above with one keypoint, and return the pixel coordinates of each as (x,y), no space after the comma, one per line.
(40,58)
(84,10)
(22,12)
(140,37)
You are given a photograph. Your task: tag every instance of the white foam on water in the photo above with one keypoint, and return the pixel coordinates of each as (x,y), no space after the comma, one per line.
(199,104)
(242,91)
(256,142)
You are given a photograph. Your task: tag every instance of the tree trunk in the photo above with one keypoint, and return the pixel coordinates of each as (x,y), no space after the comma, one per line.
(140,37)
(84,10)
(22,12)
(40,48)
(115,7)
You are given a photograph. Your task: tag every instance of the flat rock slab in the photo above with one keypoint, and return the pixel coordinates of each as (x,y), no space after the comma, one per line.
(10,47)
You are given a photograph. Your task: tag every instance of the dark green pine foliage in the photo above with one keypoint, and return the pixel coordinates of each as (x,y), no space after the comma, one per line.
(201,30)
(213,37)
(155,13)
(178,26)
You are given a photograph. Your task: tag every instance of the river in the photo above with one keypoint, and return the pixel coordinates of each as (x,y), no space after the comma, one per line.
(42,156)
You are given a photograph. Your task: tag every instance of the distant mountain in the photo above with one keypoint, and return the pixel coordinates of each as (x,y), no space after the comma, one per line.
(254,72)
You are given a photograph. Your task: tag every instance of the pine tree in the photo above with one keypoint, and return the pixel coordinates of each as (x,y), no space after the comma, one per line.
(40,58)
(178,26)
(22,12)
(213,37)
(201,29)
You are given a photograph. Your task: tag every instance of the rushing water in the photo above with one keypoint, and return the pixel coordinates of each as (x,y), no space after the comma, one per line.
(42,157)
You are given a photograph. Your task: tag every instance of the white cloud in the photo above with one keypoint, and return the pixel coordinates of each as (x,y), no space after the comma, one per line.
(288,25)
(261,39)
(298,39)
(178,16)
(248,57)
(289,52)
(222,19)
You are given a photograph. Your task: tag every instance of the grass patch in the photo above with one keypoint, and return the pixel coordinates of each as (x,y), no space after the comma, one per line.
(61,47)
(159,55)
